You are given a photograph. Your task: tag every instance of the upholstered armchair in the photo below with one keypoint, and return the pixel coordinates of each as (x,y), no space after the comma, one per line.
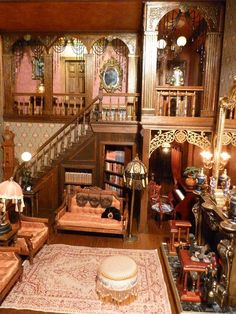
(32,234)
(10,269)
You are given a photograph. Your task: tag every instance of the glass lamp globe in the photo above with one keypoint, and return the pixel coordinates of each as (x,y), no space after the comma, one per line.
(26,156)
(181,41)
(161,44)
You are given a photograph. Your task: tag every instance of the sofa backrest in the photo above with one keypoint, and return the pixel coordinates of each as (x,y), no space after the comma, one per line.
(95,201)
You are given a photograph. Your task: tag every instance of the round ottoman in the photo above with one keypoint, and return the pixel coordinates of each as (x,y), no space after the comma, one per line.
(117,279)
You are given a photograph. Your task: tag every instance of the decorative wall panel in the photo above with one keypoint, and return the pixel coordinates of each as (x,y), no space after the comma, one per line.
(228,68)
(30,136)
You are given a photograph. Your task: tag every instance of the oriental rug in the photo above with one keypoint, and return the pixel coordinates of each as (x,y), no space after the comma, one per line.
(62,280)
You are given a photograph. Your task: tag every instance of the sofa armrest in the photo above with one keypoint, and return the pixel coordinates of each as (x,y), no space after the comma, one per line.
(34,219)
(125,218)
(13,249)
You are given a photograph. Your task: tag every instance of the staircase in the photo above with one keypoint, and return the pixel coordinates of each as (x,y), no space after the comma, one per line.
(75,132)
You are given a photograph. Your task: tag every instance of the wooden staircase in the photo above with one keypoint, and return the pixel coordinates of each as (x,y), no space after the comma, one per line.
(74,133)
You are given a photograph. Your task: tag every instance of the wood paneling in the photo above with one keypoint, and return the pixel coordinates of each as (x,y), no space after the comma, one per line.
(50,16)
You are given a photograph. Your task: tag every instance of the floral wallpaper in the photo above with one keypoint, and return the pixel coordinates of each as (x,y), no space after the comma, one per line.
(30,136)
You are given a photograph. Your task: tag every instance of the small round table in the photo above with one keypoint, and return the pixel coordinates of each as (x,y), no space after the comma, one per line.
(117,279)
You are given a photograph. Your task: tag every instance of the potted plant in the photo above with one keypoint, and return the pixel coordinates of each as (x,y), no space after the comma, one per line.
(190,174)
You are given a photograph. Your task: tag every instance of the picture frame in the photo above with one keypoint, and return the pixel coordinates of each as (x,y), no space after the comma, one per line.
(111,75)
(37,68)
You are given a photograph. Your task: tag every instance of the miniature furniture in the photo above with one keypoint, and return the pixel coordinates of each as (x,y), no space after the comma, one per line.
(160,204)
(83,211)
(117,279)
(191,272)
(32,234)
(8,238)
(10,270)
(179,230)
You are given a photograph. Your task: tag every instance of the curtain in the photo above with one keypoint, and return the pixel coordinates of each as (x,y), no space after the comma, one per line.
(176,157)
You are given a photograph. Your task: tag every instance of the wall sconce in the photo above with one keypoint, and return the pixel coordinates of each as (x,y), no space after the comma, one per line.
(208,161)
(166,147)
(161,43)
(41,88)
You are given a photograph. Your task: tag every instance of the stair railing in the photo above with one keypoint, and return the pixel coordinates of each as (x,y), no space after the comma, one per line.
(63,139)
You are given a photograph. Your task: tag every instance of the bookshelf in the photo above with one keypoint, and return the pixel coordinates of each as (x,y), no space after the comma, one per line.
(74,176)
(115,159)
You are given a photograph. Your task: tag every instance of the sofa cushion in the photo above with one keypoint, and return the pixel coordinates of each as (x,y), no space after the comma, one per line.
(79,220)
(82,198)
(106,201)
(9,265)
(94,199)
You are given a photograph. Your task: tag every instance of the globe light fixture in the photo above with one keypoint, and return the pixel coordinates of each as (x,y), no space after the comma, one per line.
(26,156)
(161,43)
(181,41)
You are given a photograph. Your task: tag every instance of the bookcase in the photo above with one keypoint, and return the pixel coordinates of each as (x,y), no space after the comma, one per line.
(115,159)
(75,176)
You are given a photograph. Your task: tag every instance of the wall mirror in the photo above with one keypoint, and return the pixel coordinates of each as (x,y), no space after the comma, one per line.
(111,75)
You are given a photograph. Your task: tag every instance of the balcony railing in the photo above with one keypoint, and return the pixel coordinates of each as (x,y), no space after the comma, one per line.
(114,106)
(178,100)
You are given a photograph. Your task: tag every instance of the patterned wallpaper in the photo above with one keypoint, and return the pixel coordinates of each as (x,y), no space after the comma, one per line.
(228,68)
(29,136)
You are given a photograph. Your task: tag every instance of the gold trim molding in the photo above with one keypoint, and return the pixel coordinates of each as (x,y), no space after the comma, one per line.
(229,138)
(180,136)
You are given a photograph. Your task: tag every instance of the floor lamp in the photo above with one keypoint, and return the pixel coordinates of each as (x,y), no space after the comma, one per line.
(9,190)
(135,178)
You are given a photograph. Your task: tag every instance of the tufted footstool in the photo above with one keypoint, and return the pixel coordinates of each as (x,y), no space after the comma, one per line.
(117,279)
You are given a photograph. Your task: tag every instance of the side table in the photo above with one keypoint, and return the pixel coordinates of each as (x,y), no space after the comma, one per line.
(8,238)
(33,199)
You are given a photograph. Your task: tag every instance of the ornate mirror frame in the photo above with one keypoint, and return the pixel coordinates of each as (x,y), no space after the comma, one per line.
(111,75)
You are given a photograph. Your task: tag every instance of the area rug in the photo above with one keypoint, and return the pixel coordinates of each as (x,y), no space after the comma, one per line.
(62,280)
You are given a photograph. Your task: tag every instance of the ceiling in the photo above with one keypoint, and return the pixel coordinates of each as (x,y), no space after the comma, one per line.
(70,16)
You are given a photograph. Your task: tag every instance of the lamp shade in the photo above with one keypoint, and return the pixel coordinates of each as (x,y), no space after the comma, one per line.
(10,190)
(135,174)
(161,43)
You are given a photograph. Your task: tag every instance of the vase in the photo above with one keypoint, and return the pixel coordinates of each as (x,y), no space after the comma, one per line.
(190,182)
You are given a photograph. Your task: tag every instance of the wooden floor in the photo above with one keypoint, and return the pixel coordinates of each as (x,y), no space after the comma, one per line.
(150,240)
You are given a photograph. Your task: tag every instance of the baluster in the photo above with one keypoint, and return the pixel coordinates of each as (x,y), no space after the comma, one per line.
(63,148)
(35,106)
(185,100)
(193,103)
(41,105)
(168,104)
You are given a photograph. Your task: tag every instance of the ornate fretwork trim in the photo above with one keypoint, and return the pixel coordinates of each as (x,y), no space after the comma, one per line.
(196,138)
(229,138)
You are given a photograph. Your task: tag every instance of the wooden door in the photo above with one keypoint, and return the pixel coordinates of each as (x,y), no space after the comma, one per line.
(75,76)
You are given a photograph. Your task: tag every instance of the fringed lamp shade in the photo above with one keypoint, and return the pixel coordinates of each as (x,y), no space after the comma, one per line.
(135,174)
(10,190)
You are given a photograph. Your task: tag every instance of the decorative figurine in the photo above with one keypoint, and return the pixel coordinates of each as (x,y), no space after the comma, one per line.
(177,78)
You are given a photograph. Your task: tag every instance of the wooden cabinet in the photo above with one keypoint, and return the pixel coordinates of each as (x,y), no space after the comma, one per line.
(116,158)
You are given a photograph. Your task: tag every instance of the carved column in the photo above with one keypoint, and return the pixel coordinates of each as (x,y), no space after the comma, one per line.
(144,199)
(149,71)
(48,81)
(132,73)
(89,75)
(212,73)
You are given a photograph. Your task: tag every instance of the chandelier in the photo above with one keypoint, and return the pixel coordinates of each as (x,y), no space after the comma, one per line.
(208,160)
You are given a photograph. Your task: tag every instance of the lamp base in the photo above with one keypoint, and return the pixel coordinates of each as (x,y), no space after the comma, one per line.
(5,228)
(131,238)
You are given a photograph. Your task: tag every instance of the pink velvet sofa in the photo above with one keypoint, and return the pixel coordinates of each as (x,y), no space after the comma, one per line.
(83,211)
(10,270)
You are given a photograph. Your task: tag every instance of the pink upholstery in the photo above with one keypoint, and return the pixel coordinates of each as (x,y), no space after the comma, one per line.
(10,270)
(83,212)
(32,234)
(38,233)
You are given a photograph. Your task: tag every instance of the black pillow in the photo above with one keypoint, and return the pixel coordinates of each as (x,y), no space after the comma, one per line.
(112,213)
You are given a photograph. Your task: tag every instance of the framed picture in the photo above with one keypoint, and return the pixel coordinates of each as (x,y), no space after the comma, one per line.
(176,68)
(111,76)
(37,68)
